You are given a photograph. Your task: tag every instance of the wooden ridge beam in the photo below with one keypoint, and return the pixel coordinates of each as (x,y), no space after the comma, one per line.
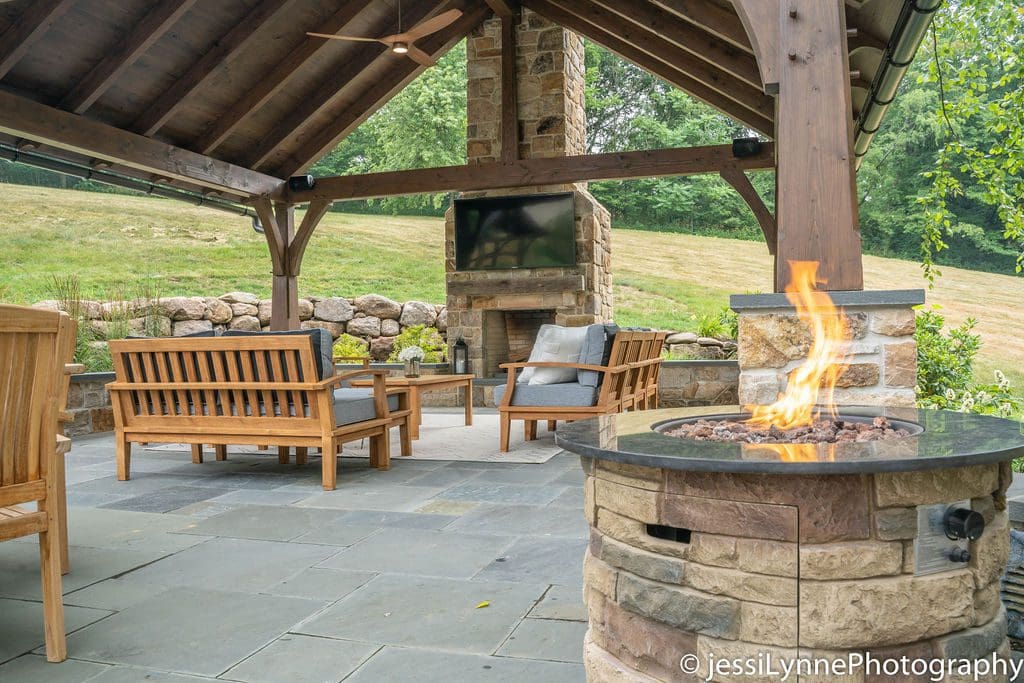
(741,183)
(746,115)
(683,35)
(534,172)
(714,19)
(324,140)
(25,118)
(154,24)
(271,84)
(223,50)
(330,89)
(28,28)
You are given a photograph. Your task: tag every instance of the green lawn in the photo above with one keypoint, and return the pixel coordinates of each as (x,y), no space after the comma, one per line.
(115,242)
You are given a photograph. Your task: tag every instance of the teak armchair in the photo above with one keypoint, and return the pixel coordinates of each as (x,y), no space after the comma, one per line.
(31,359)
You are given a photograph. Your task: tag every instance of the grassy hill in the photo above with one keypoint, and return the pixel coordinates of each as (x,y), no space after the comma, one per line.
(661,279)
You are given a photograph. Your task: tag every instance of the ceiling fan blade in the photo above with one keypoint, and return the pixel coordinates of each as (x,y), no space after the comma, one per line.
(419,56)
(425,28)
(334,37)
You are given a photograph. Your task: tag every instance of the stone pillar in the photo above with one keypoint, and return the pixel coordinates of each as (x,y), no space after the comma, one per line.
(883,370)
(550,73)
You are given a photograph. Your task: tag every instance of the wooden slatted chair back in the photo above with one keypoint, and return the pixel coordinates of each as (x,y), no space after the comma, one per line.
(30,368)
(256,382)
(632,347)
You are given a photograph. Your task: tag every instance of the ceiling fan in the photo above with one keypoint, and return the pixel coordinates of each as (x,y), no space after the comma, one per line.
(402,43)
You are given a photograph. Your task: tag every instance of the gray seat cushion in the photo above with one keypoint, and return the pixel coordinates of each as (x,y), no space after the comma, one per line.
(564,395)
(356,405)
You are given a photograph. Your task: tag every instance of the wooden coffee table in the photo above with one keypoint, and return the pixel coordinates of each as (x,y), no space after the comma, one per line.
(427,383)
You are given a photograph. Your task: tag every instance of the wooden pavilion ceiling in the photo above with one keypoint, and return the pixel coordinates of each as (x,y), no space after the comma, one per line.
(235,92)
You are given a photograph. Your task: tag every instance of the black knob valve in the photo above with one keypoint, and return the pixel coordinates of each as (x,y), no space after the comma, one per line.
(962,523)
(959,555)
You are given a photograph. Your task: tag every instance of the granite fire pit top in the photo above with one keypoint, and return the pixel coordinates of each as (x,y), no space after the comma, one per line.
(948,439)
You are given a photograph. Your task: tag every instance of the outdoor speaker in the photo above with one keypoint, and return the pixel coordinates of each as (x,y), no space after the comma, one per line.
(745,147)
(301,183)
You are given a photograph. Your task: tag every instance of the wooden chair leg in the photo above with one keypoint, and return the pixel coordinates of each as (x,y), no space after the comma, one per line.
(405,437)
(329,464)
(530,429)
(221,450)
(380,451)
(300,455)
(60,507)
(506,425)
(53,598)
(283,456)
(551,425)
(124,458)
(197,454)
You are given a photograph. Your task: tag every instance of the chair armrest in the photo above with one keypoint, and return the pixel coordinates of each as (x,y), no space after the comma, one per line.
(579,366)
(63,444)
(365,360)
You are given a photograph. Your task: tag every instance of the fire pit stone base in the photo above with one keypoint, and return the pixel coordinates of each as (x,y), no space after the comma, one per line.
(742,565)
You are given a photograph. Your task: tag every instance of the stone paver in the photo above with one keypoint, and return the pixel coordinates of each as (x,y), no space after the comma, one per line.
(247,570)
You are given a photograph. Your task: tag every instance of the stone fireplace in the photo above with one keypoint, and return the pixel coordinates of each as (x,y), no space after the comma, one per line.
(497,312)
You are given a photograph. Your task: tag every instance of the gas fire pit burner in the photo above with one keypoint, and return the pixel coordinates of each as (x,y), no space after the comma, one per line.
(842,429)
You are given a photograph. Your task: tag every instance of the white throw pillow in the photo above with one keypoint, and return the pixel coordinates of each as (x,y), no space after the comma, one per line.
(535,353)
(559,345)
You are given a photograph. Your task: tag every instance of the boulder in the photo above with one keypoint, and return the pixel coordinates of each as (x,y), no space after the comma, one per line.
(418,313)
(381,348)
(681,338)
(442,321)
(367,326)
(709,341)
(389,328)
(336,329)
(90,310)
(334,309)
(220,312)
(179,308)
(263,312)
(378,306)
(187,327)
(305,309)
(150,326)
(245,322)
(240,298)
(243,309)
(48,305)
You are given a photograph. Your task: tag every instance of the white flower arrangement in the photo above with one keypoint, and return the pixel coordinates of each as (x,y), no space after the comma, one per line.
(411,353)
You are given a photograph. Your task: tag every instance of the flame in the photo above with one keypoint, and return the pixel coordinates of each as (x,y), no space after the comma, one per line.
(811,385)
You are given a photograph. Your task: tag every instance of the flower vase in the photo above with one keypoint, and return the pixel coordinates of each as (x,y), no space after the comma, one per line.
(412,368)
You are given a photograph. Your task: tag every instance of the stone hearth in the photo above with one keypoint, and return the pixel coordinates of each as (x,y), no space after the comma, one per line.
(552,122)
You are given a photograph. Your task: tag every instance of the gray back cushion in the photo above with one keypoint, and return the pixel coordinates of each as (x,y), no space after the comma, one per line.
(323,346)
(592,353)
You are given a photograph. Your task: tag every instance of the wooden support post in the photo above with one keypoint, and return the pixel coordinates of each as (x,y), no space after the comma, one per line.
(800,48)
(287,247)
(509,99)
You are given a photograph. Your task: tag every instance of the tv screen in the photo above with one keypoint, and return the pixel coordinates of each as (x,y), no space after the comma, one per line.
(534,231)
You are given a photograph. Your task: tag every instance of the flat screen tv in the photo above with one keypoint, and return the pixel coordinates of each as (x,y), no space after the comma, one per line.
(531,231)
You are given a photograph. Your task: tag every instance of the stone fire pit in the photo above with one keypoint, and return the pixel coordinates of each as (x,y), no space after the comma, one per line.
(740,550)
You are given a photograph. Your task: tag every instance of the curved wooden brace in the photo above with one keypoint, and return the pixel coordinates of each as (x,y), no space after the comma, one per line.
(741,183)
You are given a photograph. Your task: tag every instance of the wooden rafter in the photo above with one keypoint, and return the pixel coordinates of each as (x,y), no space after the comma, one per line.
(695,41)
(716,20)
(756,120)
(223,50)
(535,172)
(331,89)
(369,101)
(154,24)
(26,118)
(503,8)
(33,23)
(272,83)
(509,94)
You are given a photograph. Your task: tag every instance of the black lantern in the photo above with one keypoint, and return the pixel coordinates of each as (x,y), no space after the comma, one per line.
(460,358)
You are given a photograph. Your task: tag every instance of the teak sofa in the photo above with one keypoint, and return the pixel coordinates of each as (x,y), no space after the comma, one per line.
(254,390)
(627,380)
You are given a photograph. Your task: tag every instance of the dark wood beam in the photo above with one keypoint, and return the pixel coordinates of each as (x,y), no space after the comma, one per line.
(534,172)
(509,97)
(26,118)
(220,53)
(695,41)
(33,23)
(744,114)
(272,83)
(861,39)
(712,18)
(503,8)
(154,24)
(328,91)
(741,183)
(360,109)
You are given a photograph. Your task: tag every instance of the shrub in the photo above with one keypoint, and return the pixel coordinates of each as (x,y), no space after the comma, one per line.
(427,338)
(351,346)
(723,324)
(945,371)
